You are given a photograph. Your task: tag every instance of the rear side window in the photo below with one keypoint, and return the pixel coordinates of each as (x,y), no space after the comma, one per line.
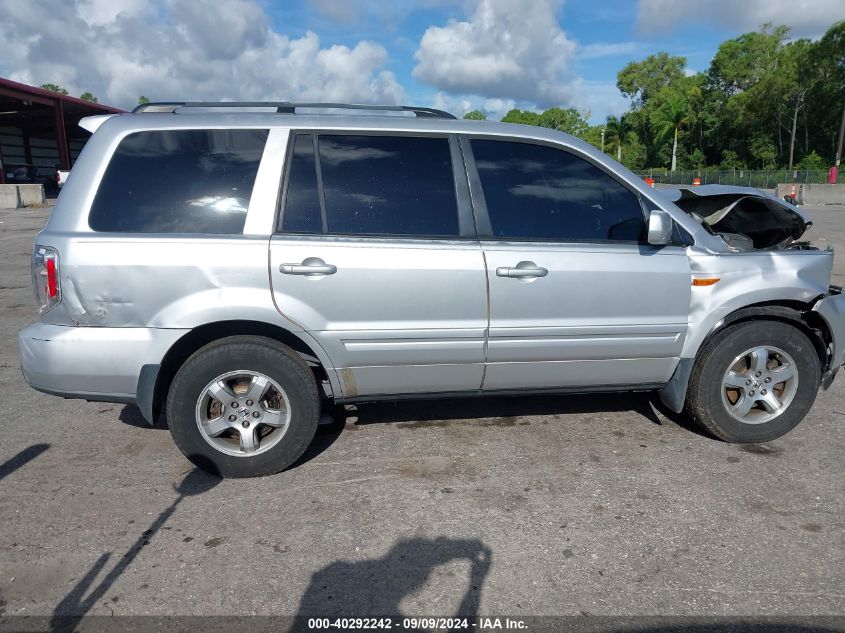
(543,193)
(179,181)
(372,185)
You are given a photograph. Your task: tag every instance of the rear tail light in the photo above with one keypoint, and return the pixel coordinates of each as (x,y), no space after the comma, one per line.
(45,277)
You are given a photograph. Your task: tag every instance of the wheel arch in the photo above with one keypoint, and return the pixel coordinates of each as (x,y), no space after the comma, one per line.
(795,313)
(154,381)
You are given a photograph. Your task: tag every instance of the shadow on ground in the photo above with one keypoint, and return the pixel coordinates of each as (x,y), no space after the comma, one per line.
(87,592)
(21,459)
(372,588)
(483,411)
(506,407)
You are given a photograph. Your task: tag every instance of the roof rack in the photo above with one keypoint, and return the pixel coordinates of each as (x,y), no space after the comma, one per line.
(285,107)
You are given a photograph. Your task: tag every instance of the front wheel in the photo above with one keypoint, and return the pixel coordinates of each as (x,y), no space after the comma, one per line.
(754,382)
(243,407)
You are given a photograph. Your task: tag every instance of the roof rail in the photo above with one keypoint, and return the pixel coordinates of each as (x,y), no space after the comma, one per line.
(285,107)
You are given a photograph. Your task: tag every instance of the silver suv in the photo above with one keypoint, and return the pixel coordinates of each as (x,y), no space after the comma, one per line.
(237,267)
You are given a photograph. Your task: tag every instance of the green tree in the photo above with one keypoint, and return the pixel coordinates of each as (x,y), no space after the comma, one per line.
(696,160)
(142,100)
(525,117)
(812,161)
(634,154)
(592,135)
(617,131)
(763,151)
(642,80)
(567,120)
(670,116)
(748,90)
(54,88)
(798,73)
(743,62)
(731,160)
(826,97)
(87,96)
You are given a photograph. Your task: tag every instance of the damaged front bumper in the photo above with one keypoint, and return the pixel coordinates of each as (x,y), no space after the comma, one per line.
(832,309)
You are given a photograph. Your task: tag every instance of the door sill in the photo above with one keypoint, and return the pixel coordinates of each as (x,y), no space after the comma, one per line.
(476,393)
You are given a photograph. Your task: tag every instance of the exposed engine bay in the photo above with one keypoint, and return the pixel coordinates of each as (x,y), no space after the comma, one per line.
(746,219)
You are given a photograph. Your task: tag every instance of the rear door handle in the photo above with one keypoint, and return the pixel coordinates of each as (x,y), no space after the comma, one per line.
(309,266)
(522,270)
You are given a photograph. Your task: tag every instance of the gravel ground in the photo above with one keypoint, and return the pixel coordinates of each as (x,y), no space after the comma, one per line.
(524,506)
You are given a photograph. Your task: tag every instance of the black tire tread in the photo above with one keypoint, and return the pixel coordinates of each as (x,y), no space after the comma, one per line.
(776,331)
(286,359)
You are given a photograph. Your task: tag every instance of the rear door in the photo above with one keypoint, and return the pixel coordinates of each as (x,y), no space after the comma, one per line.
(577,299)
(375,255)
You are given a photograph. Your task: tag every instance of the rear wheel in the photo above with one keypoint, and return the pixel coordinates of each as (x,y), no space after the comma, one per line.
(243,407)
(754,382)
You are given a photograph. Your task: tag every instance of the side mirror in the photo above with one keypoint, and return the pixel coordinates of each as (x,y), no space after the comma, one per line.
(659,228)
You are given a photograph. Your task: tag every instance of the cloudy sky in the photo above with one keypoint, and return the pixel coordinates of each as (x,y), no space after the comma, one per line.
(455,54)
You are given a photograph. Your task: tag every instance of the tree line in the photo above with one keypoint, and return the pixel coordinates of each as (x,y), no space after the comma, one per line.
(85,96)
(766,101)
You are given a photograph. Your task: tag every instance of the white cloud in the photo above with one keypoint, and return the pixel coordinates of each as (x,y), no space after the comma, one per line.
(506,49)
(171,49)
(99,12)
(805,17)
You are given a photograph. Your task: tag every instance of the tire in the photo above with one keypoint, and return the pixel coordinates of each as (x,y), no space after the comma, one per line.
(269,432)
(717,405)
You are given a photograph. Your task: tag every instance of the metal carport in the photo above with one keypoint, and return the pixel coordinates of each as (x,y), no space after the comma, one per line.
(39,131)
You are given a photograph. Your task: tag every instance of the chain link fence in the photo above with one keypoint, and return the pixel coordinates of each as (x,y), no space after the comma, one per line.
(759,178)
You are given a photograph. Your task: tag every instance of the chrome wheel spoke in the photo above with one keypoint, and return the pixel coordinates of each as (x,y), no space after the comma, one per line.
(249,442)
(734,380)
(759,360)
(219,391)
(274,418)
(216,426)
(743,405)
(771,402)
(257,388)
(782,373)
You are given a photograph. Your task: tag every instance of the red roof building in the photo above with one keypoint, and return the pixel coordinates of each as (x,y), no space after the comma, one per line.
(39,131)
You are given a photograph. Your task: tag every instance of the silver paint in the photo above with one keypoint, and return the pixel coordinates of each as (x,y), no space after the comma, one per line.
(398,316)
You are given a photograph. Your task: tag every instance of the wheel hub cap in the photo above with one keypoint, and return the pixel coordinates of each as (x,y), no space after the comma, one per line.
(759,384)
(243,413)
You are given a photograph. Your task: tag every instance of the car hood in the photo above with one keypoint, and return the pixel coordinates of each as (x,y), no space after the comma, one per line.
(744,217)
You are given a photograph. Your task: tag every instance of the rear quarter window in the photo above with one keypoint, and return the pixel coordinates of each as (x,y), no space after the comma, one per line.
(179,181)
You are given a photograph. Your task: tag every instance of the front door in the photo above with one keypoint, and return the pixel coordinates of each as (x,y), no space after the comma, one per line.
(374,259)
(576,299)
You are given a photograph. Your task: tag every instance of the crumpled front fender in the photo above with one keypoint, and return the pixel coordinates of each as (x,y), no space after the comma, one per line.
(832,309)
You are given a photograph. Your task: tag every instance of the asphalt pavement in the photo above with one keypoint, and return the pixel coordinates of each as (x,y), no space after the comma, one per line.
(524,506)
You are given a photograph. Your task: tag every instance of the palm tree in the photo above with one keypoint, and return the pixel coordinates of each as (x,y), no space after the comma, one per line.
(616,130)
(670,118)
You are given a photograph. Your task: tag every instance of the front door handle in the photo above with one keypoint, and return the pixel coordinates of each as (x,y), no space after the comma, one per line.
(309,266)
(522,270)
